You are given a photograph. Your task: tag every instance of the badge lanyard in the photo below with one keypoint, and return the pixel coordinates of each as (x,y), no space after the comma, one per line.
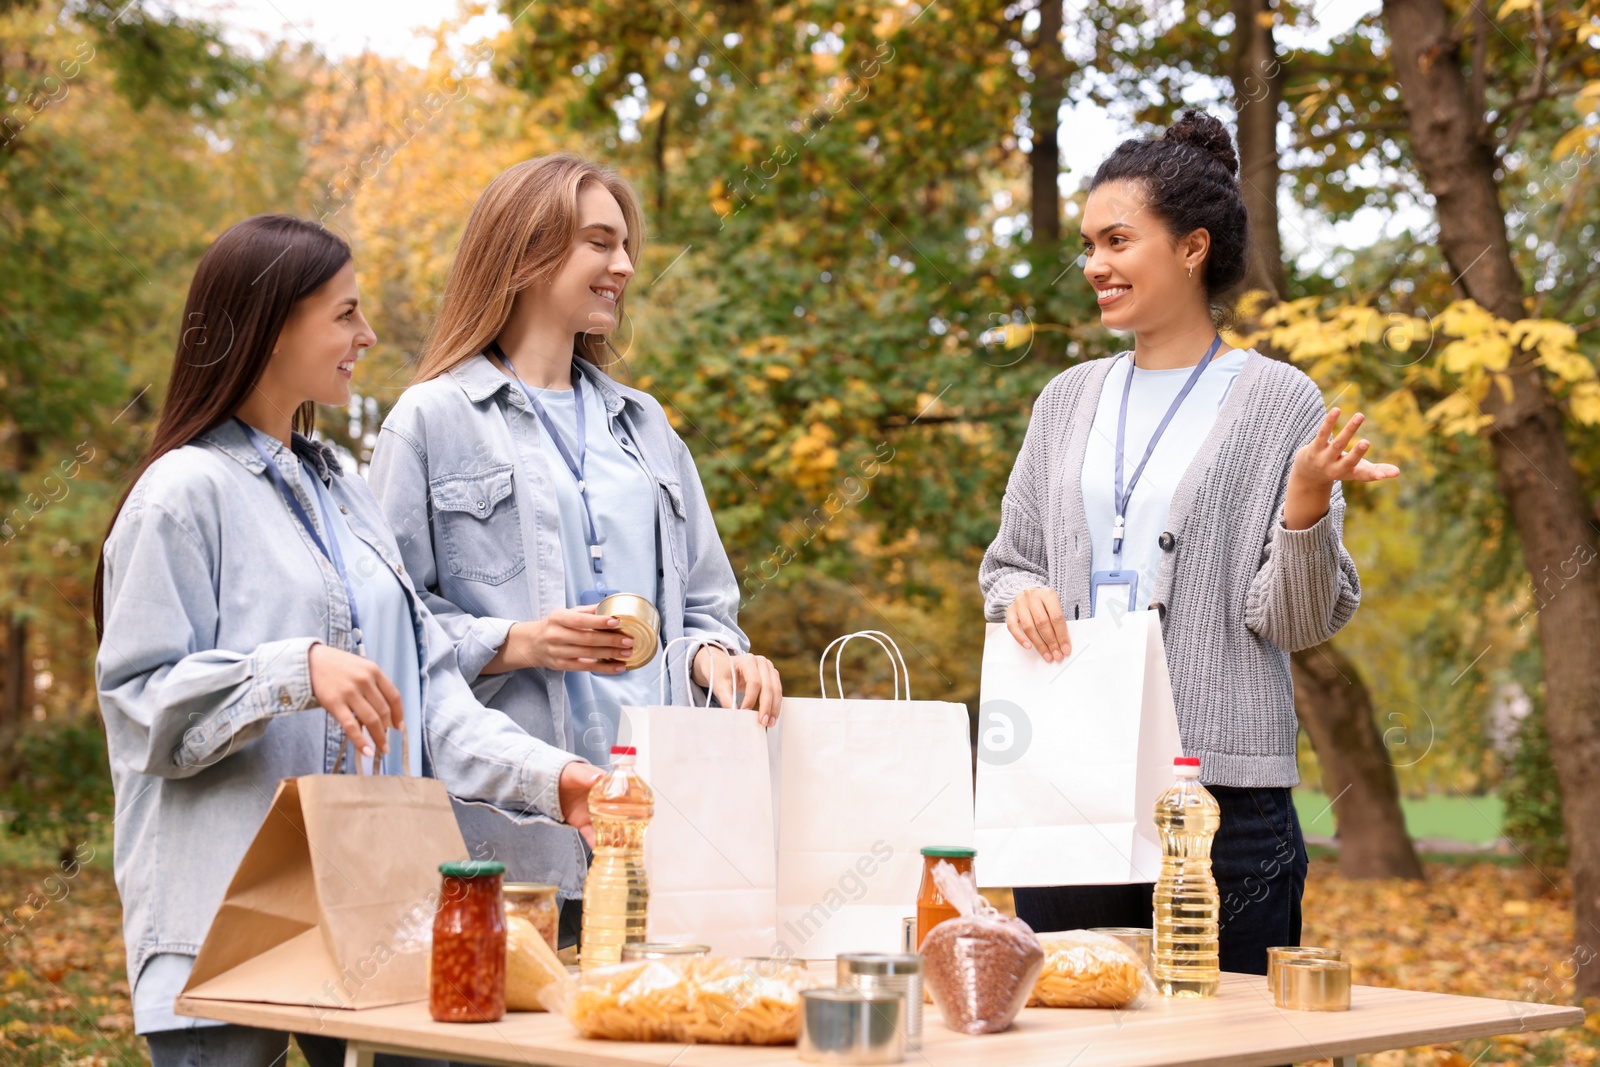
(331,549)
(1123,497)
(576,467)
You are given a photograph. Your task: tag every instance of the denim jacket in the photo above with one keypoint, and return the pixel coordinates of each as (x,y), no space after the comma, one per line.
(463,478)
(214,595)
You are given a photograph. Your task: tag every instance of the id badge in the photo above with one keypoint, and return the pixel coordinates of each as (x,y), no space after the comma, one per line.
(1112,582)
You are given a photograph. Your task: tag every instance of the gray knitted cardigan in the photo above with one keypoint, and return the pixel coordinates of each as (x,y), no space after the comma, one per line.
(1238,591)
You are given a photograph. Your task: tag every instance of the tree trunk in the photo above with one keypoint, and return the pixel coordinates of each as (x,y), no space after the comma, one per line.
(1543,493)
(1049,67)
(15,697)
(1044,162)
(1336,711)
(1258,94)
(661,165)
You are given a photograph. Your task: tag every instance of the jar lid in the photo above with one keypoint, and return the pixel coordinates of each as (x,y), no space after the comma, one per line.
(950,852)
(472,868)
(880,962)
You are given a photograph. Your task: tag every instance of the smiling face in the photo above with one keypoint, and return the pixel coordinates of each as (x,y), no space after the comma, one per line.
(585,289)
(1139,270)
(317,349)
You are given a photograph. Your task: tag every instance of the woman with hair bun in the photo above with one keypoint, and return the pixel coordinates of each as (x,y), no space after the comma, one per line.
(1201,481)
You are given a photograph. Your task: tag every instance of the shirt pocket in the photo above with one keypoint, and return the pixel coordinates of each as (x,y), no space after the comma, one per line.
(478,524)
(676,523)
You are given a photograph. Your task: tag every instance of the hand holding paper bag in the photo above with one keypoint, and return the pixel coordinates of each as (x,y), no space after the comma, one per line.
(1072,755)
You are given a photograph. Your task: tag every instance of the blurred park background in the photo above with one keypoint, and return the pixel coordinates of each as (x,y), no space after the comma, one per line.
(862,265)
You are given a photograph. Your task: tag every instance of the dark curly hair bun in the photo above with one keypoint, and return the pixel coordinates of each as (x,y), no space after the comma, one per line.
(1190,177)
(1207,133)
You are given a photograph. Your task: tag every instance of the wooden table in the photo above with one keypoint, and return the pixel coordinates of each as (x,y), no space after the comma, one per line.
(1239,1027)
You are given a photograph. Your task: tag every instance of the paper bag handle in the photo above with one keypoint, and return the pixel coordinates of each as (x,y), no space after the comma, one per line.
(897,662)
(716,641)
(405,756)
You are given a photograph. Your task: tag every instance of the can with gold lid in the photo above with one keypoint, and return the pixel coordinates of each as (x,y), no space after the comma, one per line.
(638,619)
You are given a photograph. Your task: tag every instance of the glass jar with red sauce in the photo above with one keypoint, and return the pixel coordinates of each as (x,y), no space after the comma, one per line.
(932,908)
(467,978)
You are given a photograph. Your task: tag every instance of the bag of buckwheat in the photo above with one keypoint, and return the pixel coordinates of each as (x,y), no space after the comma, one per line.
(979,967)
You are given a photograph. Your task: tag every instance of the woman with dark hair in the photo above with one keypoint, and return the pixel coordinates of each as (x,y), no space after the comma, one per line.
(255,617)
(1203,482)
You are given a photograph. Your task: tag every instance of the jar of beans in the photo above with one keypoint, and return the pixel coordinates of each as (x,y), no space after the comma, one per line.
(467,978)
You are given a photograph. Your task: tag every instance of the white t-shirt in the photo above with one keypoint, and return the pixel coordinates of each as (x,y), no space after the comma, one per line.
(1151,394)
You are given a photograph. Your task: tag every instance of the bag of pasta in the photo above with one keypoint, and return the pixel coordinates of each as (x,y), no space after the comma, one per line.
(981,966)
(706,999)
(1083,969)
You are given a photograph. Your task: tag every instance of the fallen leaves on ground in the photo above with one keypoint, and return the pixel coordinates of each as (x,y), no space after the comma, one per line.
(1474,929)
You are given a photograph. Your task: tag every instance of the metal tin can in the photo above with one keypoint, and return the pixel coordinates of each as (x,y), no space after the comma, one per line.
(660,950)
(889,972)
(850,1026)
(639,620)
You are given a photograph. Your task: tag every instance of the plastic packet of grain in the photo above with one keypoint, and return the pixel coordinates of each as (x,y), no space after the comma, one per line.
(981,966)
(1083,969)
(705,1000)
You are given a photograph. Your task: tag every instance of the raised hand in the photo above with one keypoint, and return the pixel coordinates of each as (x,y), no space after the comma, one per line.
(1325,459)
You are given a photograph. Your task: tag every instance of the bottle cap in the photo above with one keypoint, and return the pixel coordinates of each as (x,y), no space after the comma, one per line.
(628,750)
(472,868)
(1186,761)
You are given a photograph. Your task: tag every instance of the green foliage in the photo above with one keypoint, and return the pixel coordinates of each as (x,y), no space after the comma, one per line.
(61,784)
(1532,795)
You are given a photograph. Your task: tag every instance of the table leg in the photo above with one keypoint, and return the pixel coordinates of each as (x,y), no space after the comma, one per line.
(358,1055)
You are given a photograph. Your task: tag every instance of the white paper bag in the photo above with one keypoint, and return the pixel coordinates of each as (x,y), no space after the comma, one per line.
(710,856)
(862,786)
(1072,756)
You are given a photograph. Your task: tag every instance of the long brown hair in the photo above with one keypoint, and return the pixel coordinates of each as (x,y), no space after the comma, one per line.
(518,235)
(244,288)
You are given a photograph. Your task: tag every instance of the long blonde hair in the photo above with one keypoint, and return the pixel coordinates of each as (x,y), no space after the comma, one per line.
(518,235)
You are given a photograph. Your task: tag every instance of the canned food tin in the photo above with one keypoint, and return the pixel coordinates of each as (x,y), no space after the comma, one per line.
(887,972)
(660,950)
(639,620)
(850,1026)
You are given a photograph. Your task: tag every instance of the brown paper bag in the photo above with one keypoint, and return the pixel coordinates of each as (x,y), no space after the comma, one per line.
(332,905)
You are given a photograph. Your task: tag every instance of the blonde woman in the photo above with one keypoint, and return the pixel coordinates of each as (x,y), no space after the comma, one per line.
(523,484)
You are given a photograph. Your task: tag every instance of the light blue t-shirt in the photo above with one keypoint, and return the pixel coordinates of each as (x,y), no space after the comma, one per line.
(1152,393)
(391,642)
(388,632)
(623,498)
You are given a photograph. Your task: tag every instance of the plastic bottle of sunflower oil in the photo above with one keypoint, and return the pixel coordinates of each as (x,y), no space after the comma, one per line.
(1187,906)
(616,898)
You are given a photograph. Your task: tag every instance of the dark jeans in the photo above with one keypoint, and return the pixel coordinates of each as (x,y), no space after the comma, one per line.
(1258,859)
(246,1046)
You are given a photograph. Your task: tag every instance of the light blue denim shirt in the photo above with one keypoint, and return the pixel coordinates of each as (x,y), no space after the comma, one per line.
(214,595)
(461,472)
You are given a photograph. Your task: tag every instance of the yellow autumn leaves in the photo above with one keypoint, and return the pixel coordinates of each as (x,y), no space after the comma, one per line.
(1461,351)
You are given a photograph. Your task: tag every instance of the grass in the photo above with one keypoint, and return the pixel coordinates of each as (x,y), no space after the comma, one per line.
(1469,820)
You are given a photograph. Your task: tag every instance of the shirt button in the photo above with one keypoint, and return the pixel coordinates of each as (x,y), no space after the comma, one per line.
(343,510)
(283,698)
(481,505)
(1166,541)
